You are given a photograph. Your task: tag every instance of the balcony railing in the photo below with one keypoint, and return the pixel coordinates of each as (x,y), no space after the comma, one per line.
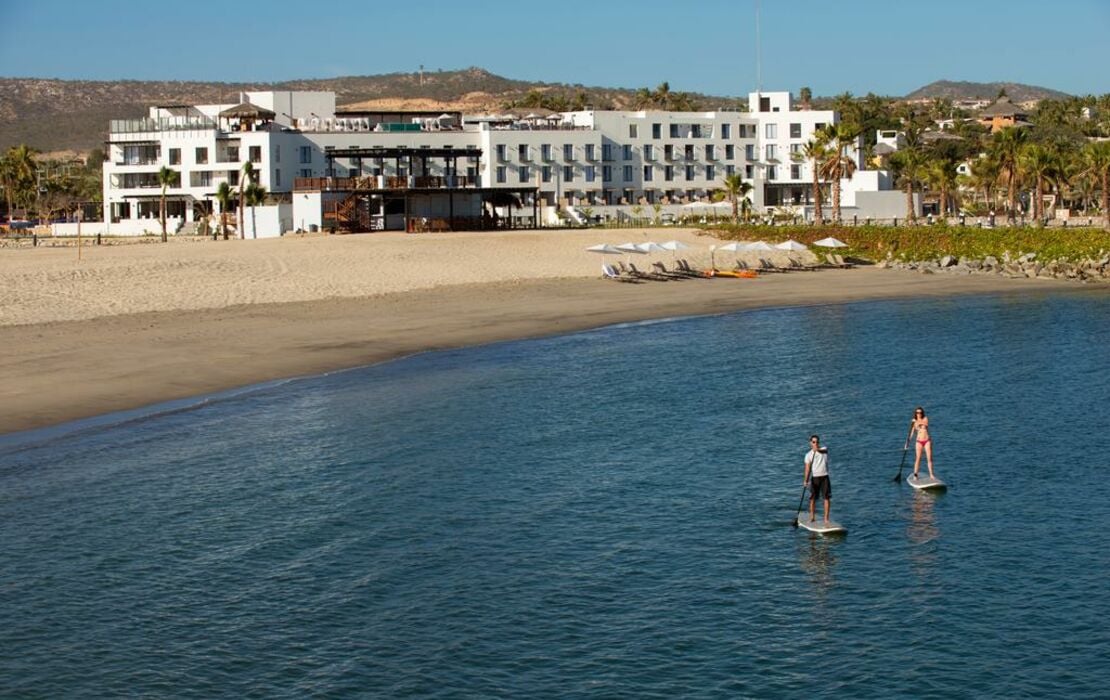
(381,182)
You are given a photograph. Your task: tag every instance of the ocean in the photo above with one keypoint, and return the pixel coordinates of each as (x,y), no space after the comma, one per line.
(602,514)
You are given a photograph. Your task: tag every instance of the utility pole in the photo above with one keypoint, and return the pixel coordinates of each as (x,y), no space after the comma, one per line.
(421,74)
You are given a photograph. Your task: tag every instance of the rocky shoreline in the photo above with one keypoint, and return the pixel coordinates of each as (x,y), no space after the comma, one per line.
(1023,266)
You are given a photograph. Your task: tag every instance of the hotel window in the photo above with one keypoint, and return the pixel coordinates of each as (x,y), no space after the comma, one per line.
(522,153)
(545,151)
(710,172)
(690,172)
(730,152)
(627,174)
(633,130)
(256,154)
(606,173)
(306,172)
(471,173)
(730,170)
(305,154)
(568,151)
(649,173)
(201,156)
(818,126)
(545,173)
(568,173)
(749,171)
(591,173)
(668,173)
(771,151)
(589,151)
(657,131)
(501,173)
(175,156)
(726,131)
(277,177)
(795,131)
(649,152)
(689,152)
(772,173)
(749,151)
(501,151)
(696,132)
(795,172)
(522,173)
(668,152)
(606,152)
(277,154)
(233,178)
(649,196)
(771,131)
(626,151)
(204,179)
(796,149)
(710,152)
(674,131)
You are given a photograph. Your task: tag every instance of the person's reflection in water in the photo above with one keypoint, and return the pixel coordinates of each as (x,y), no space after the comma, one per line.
(818,557)
(922,530)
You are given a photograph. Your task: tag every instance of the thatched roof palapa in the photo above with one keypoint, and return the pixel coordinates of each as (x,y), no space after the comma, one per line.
(1002,107)
(248,110)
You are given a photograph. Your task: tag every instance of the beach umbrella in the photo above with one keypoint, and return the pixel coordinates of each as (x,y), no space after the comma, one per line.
(735,247)
(605,249)
(674,247)
(791,244)
(649,247)
(830,242)
(758,245)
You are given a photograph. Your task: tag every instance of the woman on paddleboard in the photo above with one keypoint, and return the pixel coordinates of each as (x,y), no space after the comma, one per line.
(920,425)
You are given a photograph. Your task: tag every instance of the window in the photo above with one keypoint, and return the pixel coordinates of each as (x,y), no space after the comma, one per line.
(606,152)
(730,170)
(305,154)
(545,152)
(749,152)
(306,172)
(710,172)
(730,152)
(277,154)
(545,173)
(626,151)
(277,177)
(771,151)
(204,179)
(627,174)
(668,152)
(689,152)
(795,131)
(818,126)
(501,173)
(175,156)
(523,173)
(649,152)
(795,149)
(668,173)
(656,131)
(695,131)
(233,178)
(674,131)
(795,172)
(633,130)
(649,196)
(591,173)
(256,154)
(202,156)
(522,153)
(589,151)
(771,131)
(501,152)
(568,151)
(606,173)
(568,173)
(710,152)
(649,173)
(726,131)
(749,171)
(690,172)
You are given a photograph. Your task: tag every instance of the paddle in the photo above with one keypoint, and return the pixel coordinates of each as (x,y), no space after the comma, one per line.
(905,449)
(799,508)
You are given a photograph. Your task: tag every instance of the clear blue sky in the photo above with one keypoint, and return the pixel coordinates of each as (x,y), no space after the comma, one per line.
(888,47)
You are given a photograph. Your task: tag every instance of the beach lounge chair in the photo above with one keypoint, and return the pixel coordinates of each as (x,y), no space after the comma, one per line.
(670,274)
(610,273)
(647,275)
(840,260)
(796,264)
(833,262)
(768,266)
(684,266)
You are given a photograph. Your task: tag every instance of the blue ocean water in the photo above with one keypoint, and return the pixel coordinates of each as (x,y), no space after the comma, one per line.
(604,514)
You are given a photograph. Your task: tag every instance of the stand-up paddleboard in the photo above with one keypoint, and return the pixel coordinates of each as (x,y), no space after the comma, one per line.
(820,526)
(926,483)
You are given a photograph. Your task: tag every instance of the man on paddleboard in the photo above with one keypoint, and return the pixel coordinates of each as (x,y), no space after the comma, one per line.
(816,476)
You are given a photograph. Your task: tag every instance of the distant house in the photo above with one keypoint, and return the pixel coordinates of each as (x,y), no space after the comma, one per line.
(1001,114)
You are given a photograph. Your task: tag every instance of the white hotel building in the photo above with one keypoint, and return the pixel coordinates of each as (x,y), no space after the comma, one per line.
(370,170)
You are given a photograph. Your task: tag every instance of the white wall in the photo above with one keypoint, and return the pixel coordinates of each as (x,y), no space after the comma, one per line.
(268,221)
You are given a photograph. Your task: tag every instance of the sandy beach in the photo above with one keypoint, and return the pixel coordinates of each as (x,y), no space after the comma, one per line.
(131,325)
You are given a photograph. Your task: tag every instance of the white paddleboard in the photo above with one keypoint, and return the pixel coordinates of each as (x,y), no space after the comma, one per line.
(820,526)
(926,483)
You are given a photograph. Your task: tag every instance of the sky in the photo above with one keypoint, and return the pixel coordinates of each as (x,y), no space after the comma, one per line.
(889,47)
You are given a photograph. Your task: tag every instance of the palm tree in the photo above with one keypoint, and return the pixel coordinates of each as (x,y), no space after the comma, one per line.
(663,94)
(1096,163)
(838,165)
(246,177)
(940,173)
(736,189)
(166,177)
(17,173)
(984,176)
(1042,164)
(1005,148)
(255,195)
(907,164)
(224,195)
(814,152)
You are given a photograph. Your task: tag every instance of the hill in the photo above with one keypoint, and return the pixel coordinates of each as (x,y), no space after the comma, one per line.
(56,115)
(963,90)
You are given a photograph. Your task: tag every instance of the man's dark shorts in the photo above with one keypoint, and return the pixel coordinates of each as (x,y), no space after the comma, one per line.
(821,487)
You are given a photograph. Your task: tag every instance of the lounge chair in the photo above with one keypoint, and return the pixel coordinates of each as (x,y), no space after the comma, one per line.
(684,266)
(841,262)
(610,273)
(672,274)
(648,275)
(796,264)
(833,262)
(768,266)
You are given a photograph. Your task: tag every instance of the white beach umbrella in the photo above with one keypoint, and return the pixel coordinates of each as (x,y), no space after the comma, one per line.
(758,245)
(735,247)
(791,244)
(649,247)
(830,242)
(605,249)
(673,246)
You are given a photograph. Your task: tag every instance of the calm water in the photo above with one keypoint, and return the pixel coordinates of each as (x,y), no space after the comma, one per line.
(605,514)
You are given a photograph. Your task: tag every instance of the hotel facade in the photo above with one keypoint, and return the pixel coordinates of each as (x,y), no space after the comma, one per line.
(370,170)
